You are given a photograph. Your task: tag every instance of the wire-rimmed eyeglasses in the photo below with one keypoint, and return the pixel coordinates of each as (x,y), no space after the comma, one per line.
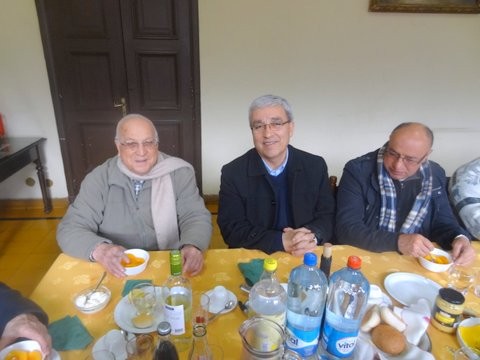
(274,125)
(134,145)
(407,160)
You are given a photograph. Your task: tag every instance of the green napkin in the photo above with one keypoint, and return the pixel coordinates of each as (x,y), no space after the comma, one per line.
(69,333)
(252,270)
(129,284)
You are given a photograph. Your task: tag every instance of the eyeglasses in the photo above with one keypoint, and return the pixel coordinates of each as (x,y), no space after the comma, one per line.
(274,125)
(407,160)
(134,146)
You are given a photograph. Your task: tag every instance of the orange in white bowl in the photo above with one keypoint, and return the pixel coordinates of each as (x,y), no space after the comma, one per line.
(28,350)
(437,261)
(138,261)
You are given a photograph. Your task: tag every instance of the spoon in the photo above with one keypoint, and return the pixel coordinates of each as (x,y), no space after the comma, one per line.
(228,305)
(95,288)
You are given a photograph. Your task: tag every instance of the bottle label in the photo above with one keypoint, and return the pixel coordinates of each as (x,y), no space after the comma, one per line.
(175,316)
(338,343)
(304,342)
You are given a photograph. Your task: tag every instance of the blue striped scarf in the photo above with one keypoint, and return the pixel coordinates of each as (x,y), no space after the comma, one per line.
(388,213)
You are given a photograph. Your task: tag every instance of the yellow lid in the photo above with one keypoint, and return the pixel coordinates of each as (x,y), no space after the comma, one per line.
(270,264)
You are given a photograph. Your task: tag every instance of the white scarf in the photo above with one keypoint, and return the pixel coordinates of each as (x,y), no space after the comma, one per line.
(163,204)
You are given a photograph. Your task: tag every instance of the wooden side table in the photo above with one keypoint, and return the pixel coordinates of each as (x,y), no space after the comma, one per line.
(18,152)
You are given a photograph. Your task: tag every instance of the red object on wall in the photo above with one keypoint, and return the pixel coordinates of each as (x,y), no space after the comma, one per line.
(2,128)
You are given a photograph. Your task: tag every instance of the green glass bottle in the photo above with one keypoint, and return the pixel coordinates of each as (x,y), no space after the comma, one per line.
(178,303)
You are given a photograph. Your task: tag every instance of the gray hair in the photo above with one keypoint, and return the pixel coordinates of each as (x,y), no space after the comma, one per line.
(270,101)
(128,117)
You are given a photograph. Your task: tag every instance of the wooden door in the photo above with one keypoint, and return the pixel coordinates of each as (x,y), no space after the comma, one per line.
(104,53)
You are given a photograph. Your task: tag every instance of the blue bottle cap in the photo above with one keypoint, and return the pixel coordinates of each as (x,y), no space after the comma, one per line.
(310,259)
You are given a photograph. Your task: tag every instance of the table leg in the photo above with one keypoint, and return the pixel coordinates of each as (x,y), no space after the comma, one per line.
(47,202)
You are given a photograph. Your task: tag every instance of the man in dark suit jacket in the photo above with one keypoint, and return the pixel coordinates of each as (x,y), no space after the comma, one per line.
(395,199)
(22,318)
(275,197)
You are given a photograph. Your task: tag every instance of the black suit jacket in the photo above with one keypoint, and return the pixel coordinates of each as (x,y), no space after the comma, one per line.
(247,206)
(12,304)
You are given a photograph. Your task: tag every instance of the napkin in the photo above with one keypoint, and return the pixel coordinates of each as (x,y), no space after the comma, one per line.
(129,284)
(417,318)
(252,270)
(69,333)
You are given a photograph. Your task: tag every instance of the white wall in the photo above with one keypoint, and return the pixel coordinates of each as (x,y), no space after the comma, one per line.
(350,76)
(25,100)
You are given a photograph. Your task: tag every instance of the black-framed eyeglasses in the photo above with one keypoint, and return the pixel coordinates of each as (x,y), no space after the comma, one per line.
(134,145)
(407,160)
(274,125)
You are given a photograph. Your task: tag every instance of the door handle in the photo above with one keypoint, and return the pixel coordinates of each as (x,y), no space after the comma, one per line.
(123,105)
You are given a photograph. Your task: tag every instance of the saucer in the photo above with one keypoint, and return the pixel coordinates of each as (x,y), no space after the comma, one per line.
(217,307)
(113,341)
(124,313)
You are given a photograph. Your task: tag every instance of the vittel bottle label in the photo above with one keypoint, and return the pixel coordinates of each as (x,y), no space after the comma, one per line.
(340,344)
(303,342)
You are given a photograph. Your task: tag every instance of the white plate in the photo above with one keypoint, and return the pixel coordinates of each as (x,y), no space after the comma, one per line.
(408,288)
(124,313)
(113,341)
(215,308)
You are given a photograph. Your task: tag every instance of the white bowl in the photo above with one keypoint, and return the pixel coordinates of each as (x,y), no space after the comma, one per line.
(436,267)
(138,253)
(474,321)
(96,302)
(27,345)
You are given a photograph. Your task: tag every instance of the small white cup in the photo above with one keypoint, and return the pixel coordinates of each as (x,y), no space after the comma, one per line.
(219,296)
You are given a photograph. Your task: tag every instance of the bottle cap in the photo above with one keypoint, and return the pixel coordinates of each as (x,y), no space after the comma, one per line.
(354,262)
(452,296)
(164,328)
(310,259)
(199,330)
(270,264)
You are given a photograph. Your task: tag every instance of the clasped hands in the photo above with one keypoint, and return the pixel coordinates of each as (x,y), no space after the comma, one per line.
(298,241)
(110,256)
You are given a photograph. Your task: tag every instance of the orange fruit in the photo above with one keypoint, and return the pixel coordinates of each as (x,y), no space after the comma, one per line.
(134,261)
(17,355)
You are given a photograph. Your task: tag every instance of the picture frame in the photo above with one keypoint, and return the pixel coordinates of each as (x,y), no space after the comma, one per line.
(426,6)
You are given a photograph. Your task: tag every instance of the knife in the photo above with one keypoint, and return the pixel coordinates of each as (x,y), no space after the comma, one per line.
(243,307)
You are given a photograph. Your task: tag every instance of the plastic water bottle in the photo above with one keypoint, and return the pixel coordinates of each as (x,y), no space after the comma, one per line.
(307,292)
(346,304)
(267,297)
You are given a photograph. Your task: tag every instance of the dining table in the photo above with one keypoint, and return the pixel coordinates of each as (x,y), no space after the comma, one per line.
(68,276)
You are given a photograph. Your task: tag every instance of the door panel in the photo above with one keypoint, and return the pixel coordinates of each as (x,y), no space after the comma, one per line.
(100,51)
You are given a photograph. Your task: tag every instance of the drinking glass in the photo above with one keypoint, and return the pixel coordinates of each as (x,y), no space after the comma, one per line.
(476,284)
(141,347)
(143,297)
(201,304)
(460,278)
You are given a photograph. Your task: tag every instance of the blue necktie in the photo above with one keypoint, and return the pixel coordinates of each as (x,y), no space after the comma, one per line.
(137,186)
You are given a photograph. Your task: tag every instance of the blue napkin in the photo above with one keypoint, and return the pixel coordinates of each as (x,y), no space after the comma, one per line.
(251,271)
(69,333)
(129,284)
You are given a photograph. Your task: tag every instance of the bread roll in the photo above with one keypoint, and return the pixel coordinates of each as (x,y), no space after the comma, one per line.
(389,317)
(371,319)
(388,339)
